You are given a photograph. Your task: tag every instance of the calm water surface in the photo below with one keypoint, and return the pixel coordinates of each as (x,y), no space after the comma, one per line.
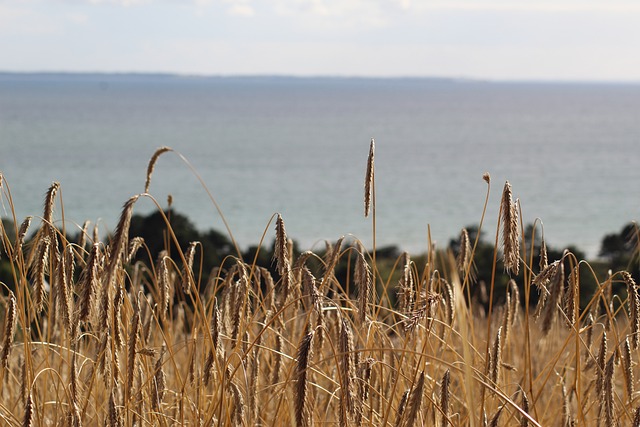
(299,147)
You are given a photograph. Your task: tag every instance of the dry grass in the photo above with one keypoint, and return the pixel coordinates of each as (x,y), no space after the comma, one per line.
(91,339)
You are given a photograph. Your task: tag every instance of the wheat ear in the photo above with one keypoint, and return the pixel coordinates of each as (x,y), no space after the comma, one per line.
(415,401)
(152,165)
(20,239)
(368,180)
(364,282)
(27,421)
(9,330)
(187,271)
(301,388)
(510,238)
(634,308)
(444,398)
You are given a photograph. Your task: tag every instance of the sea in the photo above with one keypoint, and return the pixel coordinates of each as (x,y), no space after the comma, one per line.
(260,145)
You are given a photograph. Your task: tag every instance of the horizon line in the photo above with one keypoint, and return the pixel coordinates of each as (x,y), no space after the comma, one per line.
(172,74)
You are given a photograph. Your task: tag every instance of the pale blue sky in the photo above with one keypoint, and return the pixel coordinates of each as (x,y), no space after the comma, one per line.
(487,39)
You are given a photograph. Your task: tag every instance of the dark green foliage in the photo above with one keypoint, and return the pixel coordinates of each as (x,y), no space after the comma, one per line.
(621,249)
(153,229)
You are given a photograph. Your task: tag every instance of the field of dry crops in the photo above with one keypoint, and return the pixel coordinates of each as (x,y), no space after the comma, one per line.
(91,338)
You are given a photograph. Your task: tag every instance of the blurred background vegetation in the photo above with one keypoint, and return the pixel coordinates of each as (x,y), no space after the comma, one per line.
(618,251)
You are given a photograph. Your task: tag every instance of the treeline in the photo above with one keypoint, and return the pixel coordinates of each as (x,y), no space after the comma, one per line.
(170,233)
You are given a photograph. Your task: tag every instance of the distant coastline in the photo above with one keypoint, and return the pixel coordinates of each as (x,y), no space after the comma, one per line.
(261,78)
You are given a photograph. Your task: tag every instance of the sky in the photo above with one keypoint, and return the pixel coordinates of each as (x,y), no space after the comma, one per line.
(565,40)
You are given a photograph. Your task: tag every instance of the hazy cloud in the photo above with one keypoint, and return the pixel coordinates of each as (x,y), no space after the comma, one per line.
(239,8)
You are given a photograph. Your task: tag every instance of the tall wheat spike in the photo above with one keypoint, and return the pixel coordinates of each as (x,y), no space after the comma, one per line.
(415,401)
(152,165)
(10,322)
(634,308)
(17,250)
(302,373)
(510,234)
(369,178)
(444,398)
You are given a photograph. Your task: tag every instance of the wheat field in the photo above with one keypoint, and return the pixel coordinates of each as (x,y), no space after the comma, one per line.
(92,337)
